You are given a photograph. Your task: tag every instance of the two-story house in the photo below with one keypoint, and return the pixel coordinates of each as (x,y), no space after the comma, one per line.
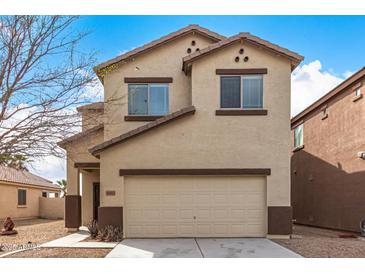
(328,167)
(192,140)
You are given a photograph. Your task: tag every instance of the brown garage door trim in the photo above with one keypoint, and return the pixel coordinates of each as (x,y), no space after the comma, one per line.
(209,171)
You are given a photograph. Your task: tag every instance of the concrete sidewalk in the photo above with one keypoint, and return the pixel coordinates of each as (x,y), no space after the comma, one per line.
(75,240)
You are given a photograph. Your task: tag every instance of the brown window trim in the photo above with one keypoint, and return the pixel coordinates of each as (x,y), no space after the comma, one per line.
(298,148)
(143,80)
(325,116)
(241,71)
(239,112)
(142,117)
(209,171)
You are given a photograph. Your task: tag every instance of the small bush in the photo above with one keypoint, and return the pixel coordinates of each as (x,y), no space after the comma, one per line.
(111,233)
(93,229)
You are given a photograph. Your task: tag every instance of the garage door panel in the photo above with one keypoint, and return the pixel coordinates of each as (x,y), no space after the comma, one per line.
(187,206)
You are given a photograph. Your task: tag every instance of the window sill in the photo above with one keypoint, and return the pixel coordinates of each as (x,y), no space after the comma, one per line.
(298,148)
(22,206)
(356,98)
(240,112)
(141,118)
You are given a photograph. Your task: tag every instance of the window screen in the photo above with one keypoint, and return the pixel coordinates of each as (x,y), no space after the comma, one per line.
(138,99)
(230,92)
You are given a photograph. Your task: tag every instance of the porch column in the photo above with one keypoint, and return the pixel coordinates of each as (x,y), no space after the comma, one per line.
(73,199)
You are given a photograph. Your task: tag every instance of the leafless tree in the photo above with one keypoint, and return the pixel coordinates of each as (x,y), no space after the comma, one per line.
(43,77)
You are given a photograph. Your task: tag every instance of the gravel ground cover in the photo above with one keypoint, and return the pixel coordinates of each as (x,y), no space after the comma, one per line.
(32,233)
(61,253)
(314,242)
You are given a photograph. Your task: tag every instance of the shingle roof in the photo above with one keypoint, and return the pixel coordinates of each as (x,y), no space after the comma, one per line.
(142,129)
(80,135)
(246,36)
(190,28)
(13,175)
(96,105)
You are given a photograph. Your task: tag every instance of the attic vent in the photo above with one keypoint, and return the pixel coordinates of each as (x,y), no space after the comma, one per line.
(193,43)
(237,59)
(188,50)
(245,59)
(241,51)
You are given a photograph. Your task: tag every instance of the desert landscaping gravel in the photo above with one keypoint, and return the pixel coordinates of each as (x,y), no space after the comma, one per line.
(32,233)
(61,253)
(313,242)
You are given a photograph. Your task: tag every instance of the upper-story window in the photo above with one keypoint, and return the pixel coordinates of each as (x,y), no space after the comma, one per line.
(244,92)
(148,99)
(298,136)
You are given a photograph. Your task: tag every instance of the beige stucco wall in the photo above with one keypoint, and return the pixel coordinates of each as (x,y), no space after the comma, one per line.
(88,178)
(91,118)
(205,140)
(77,152)
(51,208)
(9,201)
(164,61)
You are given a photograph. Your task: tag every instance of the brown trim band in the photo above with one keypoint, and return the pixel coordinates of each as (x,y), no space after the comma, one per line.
(141,117)
(238,112)
(207,171)
(280,220)
(87,165)
(138,80)
(241,71)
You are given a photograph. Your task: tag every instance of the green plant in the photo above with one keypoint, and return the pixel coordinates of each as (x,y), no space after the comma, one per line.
(93,229)
(63,185)
(111,233)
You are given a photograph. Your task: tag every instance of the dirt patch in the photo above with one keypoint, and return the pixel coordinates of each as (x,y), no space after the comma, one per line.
(32,233)
(323,243)
(62,253)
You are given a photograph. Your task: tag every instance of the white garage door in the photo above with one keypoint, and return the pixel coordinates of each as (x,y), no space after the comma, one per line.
(191,206)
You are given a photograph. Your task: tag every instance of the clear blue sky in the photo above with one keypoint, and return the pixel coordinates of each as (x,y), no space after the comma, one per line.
(337,41)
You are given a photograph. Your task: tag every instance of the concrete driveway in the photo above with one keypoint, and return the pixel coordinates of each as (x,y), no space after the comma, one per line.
(200,248)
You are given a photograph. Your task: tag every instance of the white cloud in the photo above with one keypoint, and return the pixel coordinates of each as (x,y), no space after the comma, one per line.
(50,167)
(309,83)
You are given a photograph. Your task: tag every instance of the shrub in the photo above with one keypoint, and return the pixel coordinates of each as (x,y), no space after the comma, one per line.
(93,229)
(111,233)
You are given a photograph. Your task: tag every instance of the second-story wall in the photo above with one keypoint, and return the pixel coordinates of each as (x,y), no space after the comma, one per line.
(164,61)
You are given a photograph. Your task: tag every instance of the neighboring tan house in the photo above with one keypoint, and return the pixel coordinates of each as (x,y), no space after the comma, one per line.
(328,166)
(20,191)
(192,140)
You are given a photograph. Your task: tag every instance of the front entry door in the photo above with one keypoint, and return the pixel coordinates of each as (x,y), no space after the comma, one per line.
(96,200)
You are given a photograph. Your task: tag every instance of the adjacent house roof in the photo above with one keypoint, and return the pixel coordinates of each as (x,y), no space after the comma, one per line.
(246,36)
(142,129)
(96,106)
(351,81)
(189,29)
(13,175)
(80,135)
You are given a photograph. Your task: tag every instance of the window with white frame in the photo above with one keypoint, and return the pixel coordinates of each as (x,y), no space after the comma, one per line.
(298,136)
(357,92)
(244,91)
(148,99)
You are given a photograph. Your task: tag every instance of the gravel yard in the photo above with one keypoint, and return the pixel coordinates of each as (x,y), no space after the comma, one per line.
(32,232)
(62,253)
(323,243)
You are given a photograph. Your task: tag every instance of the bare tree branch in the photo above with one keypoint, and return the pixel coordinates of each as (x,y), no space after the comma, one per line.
(43,77)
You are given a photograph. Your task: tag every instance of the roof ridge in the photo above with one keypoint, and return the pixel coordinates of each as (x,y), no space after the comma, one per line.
(146,127)
(158,41)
